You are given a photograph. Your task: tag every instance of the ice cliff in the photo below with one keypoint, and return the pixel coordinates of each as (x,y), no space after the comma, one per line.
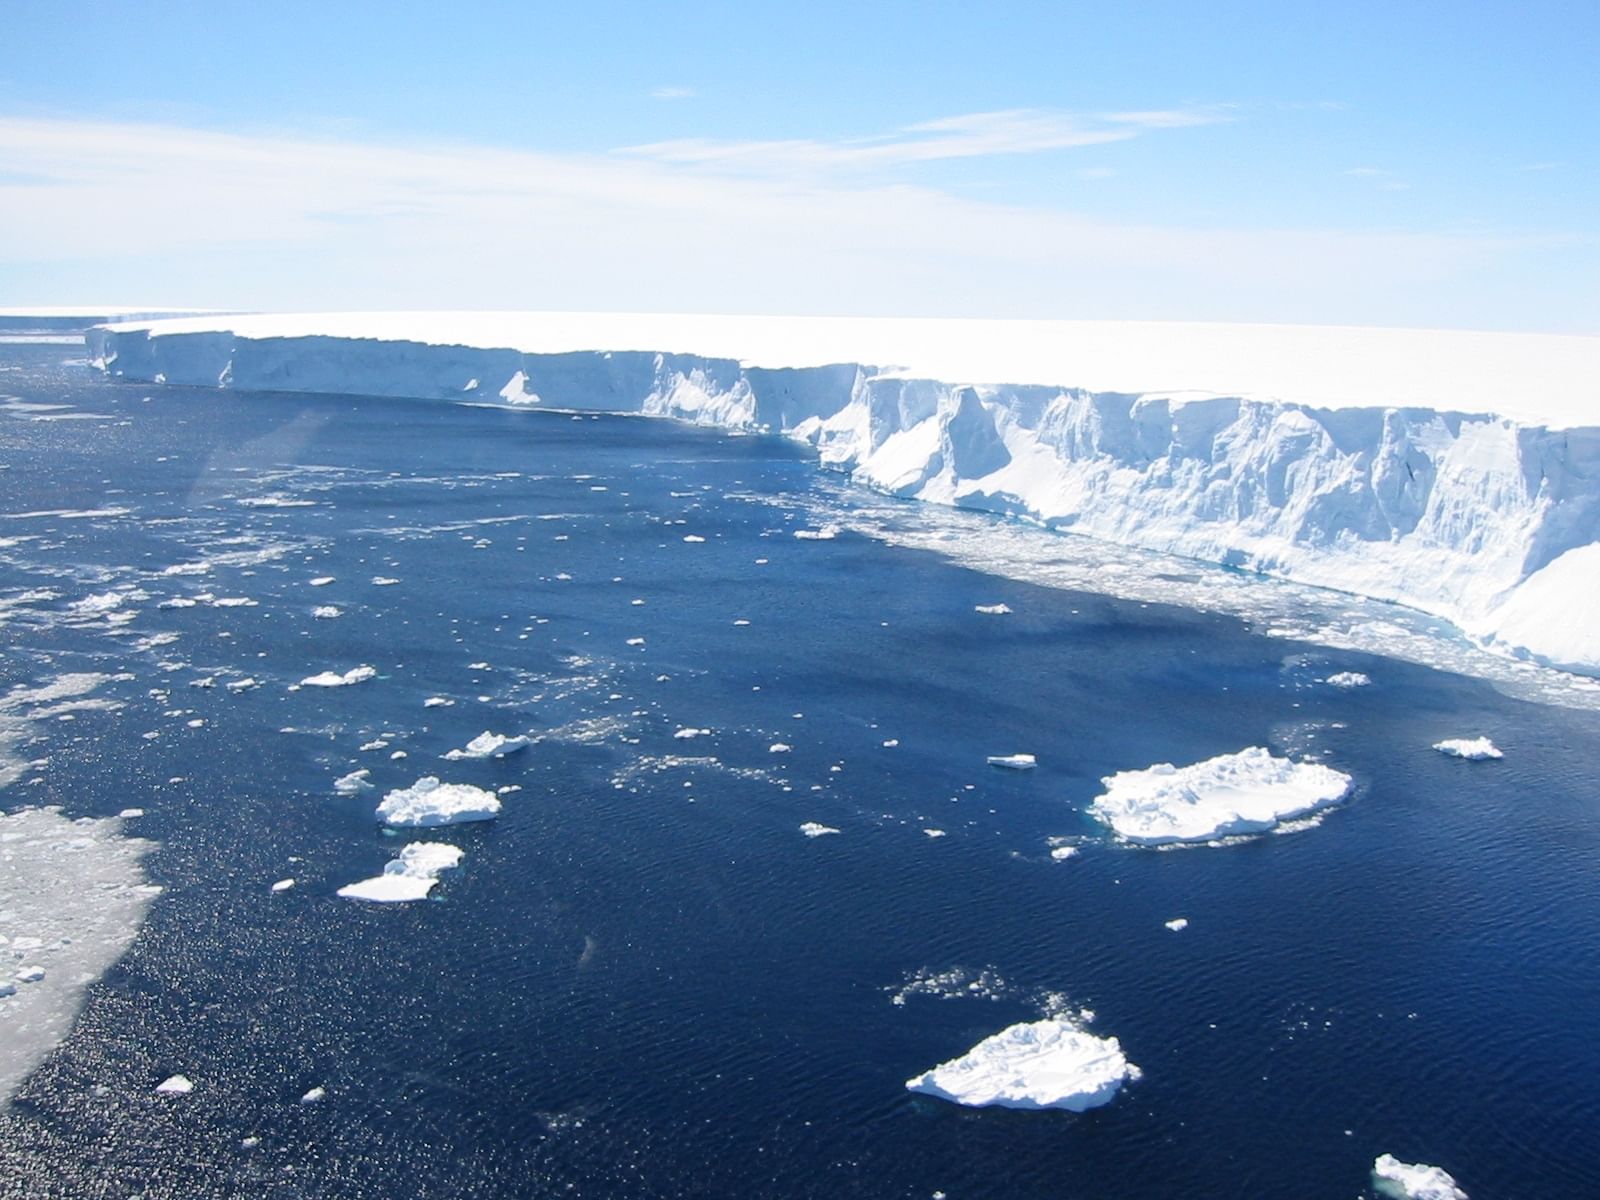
(1485,520)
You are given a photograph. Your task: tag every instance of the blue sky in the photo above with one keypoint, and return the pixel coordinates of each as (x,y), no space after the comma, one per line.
(1398,163)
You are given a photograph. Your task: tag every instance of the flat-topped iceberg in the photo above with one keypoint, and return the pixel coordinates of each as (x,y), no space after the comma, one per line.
(1413,1181)
(429,802)
(1472,748)
(1013,762)
(328,679)
(410,876)
(1248,792)
(490,745)
(1052,1063)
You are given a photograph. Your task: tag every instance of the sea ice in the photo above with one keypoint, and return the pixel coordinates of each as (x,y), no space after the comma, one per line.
(1016,762)
(334,679)
(1248,792)
(1348,679)
(994,610)
(322,581)
(283,885)
(1413,1181)
(1472,748)
(812,829)
(689,731)
(411,876)
(437,702)
(490,745)
(779,748)
(325,612)
(175,1085)
(429,802)
(1052,1063)
(826,534)
(1177,924)
(353,783)
(314,1096)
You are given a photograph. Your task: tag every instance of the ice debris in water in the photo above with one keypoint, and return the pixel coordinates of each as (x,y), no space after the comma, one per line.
(1177,924)
(779,748)
(1248,792)
(353,783)
(334,679)
(283,885)
(1348,679)
(826,534)
(324,612)
(438,702)
(689,731)
(411,876)
(1054,1063)
(314,1096)
(1472,748)
(490,745)
(1015,762)
(994,610)
(430,802)
(1413,1181)
(812,829)
(175,1085)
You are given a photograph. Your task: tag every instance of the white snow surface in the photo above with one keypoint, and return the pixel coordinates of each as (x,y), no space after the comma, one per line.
(1052,1063)
(1476,749)
(1233,794)
(429,802)
(1452,472)
(410,876)
(1413,1181)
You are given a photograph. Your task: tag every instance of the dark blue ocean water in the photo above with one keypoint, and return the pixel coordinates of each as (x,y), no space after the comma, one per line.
(643,980)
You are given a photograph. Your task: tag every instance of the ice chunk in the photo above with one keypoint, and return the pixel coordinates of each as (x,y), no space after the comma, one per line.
(325,612)
(314,1096)
(1347,679)
(430,802)
(693,537)
(934,833)
(689,731)
(174,1085)
(1052,1063)
(384,581)
(1473,748)
(334,679)
(283,885)
(353,783)
(322,581)
(1177,924)
(1015,762)
(779,748)
(995,610)
(826,534)
(1062,853)
(1248,792)
(410,876)
(242,685)
(812,829)
(1413,1181)
(30,974)
(490,745)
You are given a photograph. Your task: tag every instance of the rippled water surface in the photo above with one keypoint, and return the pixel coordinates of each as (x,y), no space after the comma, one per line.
(643,980)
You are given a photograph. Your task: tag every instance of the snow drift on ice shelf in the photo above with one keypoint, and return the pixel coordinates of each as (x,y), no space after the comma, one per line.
(1457,474)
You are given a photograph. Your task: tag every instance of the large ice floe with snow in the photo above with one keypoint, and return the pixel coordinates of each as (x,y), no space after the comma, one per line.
(429,802)
(1054,1063)
(409,876)
(1451,472)
(1413,1181)
(1252,791)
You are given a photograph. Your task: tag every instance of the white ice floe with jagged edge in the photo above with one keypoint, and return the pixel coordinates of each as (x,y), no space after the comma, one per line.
(332,679)
(1443,470)
(1053,1063)
(429,802)
(1413,1181)
(490,745)
(1250,792)
(409,876)
(1476,749)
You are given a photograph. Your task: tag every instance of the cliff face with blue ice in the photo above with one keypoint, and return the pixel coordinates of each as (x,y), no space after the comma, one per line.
(1487,522)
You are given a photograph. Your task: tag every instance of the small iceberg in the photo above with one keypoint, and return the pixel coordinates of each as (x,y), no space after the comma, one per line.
(1177,924)
(1053,1063)
(174,1085)
(490,745)
(429,802)
(1248,792)
(329,679)
(993,610)
(1348,679)
(814,830)
(826,534)
(411,876)
(1476,749)
(353,784)
(1413,1181)
(1013,762)
(315,1096)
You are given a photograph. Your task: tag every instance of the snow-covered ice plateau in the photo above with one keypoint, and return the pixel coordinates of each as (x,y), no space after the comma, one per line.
(1053,1063)
(1450,472)
(1248,792)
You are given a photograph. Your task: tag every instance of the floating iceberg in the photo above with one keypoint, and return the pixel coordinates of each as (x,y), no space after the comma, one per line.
(428,802)
(1248,792)
(1413,1181)
(1014,762)
(1052,1063)
(826,534)
(812,829)
(334,679)
(1472,748)
(353,784)
(1177,924)
(490,745)
(175,1085)
(993,610)
(410,876)
(1348,679)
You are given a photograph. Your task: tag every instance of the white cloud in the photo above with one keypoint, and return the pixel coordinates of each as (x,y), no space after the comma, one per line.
(671,93)
(157,213)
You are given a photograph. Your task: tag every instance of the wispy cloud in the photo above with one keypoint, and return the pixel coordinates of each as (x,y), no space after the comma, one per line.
(219,220)
(970,135)
(671,93)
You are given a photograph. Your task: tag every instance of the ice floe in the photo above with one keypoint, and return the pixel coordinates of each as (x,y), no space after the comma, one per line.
(490,745)
(993,610)
(315,1096)
(1014,762)
(1347,679)
(1177,924)
(1471,748)
(826,534)
(813,829)
(429,802)
(1053,1063)
(325,612)
(1413,1181)
(1248,792)
(353,783)
(334,679)
(175,1085)
(410,876)
(283,885)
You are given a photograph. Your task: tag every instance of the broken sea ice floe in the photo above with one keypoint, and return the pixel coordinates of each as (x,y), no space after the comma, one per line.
(410,876)
(1475,749)
(1248,792)
(174,1085)
(335,679)
(490,745)
(1014,762)
(1054,1063)
(353,783)
(1413,1181)
(429,802)
(813,829)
